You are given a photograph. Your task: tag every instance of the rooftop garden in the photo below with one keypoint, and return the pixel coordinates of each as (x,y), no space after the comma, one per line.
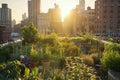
(51,57)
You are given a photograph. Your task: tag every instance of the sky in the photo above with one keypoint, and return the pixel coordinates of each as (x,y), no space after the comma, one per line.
(20,6)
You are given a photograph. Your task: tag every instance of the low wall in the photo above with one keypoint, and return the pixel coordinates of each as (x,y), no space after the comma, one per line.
(112,75)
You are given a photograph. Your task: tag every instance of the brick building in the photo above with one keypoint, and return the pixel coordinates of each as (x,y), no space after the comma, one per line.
(107,18)
(4,34)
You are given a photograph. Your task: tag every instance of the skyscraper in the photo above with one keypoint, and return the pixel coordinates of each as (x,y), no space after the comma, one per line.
(5,16)
(107,18)
(55,19)
(33,10)
(24,16)
(89,19)
(82,4)
(5,23)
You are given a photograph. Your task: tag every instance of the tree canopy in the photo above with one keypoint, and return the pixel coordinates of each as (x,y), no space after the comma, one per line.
(30,34)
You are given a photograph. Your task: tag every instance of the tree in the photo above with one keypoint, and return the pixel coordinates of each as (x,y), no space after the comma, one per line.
(30,34)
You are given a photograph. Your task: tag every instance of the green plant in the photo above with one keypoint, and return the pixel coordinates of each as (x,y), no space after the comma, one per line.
(34,55)
(96,58)
(46,53)
(70,49)
(33,75)
(76,69)
(6,53)
(11,70)
(30,34)
(51,40)
(15,70)
(111,57)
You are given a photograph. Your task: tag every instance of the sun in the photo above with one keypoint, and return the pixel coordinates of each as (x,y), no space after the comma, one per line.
(65,10)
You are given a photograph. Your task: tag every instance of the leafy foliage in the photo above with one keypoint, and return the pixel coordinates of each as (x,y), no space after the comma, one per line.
(31,76)
(51,39)
(15,70)
(76,69)
(111,58)
(30,34)
(5,53)
(11,70)
(34,54)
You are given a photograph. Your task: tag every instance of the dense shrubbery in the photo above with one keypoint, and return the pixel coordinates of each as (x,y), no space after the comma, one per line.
(6,53)
(11,70)
(15,70)
(57,50)
(30,34)
(111,58)
(76,69)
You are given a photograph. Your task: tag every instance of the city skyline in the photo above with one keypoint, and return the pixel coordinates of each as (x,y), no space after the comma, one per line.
(18,9)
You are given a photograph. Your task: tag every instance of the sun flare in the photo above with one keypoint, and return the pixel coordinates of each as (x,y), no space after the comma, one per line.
(65,10)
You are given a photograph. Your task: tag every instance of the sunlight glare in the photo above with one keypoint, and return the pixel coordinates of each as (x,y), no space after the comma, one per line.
(65,10)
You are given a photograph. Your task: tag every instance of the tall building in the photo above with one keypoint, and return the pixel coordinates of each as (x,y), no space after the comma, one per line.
(107,18)
(44,23)
(5,21)
(89,19)
(82,4)
(55,19)
(24,16)
(69,21)
(5,16)
(33,10)
(13,24)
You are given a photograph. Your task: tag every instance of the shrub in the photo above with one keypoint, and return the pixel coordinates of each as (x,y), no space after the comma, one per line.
(15,70)
(77,70)
(34,55)
(30,34)
(6,53)
(11,70)
(96,58)
(51,39)
(74,69)
(111,57)
(70,49)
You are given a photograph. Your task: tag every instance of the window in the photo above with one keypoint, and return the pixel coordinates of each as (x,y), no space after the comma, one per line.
(118,5)
(112,0)
(111,11)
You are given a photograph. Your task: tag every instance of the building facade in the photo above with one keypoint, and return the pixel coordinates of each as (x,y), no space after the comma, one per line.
(5,21)
(5,16)
(3,34)
(24,16)
(107,18)
(13,24)
(76,22)
(70,23)
(89,19)
(82,4)
(44,23)
(33,10)
(55,19)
